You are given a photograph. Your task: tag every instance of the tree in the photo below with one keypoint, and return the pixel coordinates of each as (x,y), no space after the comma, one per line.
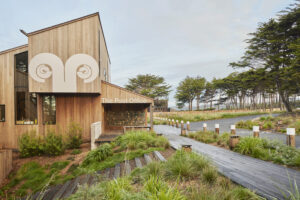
(149,85)
(188,90)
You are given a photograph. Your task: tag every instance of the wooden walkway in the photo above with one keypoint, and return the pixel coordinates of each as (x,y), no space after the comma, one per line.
(265,178)
(70,187)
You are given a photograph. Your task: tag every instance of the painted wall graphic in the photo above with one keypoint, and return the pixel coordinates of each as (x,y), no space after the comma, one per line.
(45,65)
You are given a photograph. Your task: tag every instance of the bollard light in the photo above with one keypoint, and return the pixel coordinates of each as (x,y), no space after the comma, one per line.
(217,128)
(255,131)
(232,128)
(290,138)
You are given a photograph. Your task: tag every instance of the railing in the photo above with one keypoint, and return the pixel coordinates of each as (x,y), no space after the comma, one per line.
(95,133)
(5,163)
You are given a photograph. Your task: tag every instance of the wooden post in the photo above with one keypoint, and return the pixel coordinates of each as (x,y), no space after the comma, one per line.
(177,124)
(173,123)
(256,131)
(182,125)
(204,127)
(232,129)
(151,116)
(183,132)
(187,147)
(188,126)
(217,129)
(233,141)
(169,122)
(290,137)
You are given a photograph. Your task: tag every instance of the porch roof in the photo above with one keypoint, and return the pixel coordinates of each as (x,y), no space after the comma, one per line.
(111,93)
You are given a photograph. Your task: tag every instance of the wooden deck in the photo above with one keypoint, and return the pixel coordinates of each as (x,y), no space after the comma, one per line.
(265,178)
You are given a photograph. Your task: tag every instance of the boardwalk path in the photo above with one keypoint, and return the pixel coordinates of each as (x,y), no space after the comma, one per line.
(263,177)
(225,127)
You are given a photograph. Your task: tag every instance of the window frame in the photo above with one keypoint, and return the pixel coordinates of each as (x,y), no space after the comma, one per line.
(4,113)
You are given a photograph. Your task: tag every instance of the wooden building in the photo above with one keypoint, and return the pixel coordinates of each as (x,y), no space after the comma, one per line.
(61,76)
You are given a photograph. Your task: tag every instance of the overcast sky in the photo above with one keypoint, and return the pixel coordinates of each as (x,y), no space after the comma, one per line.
(171,38)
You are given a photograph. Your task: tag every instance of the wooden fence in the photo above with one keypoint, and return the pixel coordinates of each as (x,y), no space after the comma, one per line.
(5,163)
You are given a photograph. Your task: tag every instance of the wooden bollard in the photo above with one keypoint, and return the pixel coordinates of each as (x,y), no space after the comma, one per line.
(181,125)
(290,137)
(169,122)
(173,123)
(187,147)
(188,127)
(183,132)
(177,124)
(217,129)
(233,141)
(204,127)
(256,131)
(232,129)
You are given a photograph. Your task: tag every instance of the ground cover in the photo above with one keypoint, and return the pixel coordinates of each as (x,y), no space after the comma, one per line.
(269,123)
(255,147)
(34,175)
(184,176)
(194,116)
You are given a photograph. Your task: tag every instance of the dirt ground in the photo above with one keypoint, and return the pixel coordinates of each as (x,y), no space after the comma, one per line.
(46,160)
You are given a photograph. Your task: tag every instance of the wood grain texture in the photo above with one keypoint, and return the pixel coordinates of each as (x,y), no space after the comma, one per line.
(79,37)
(5,163)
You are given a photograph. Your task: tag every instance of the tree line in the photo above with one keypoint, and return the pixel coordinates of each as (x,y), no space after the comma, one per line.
(267,75)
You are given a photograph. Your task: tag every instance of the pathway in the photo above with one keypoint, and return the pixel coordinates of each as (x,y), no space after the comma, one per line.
(225,127)
(260,176)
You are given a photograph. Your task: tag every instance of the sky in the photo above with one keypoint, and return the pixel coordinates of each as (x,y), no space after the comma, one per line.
(170,38)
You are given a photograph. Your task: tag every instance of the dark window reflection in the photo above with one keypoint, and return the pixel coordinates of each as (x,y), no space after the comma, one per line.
(49,110)
(26,103)
(2,113)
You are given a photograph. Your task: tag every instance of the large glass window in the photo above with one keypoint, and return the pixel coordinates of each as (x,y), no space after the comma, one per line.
(2,113)
(25,102)
(49,110)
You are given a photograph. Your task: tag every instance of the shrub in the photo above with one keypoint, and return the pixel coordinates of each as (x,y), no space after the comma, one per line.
(209,175)
(268,125)
(206,137)
(30,145)
(242,194)
(99,154)
(53,144)
(74,136)
(117,188)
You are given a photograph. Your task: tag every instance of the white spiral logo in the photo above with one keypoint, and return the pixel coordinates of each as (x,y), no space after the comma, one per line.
(84,72)
(43,71)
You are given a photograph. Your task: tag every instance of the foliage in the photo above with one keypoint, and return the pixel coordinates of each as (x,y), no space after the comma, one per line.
(53,144)
(99,154)
(209,175)
(30,145)
(210,137)
(149,85)
(253,147)
(74,136)
(76,151)
(141,140)
(188,90)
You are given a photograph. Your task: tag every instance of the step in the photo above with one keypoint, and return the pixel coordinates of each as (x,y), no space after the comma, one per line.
(127,167)
(160,157)
(71,188)
(147,158)
(59,194)
(117,171)
(138,163)
(51,192)
(106,173)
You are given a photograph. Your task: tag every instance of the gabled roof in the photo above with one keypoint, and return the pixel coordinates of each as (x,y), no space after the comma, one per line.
(69,22)
(13,49)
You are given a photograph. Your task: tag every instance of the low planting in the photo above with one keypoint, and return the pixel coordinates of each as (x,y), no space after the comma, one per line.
(269,150)
(185,176)
(194,116)
(32,177)
(278,124)
(210,137)
(53,144)
(105,156)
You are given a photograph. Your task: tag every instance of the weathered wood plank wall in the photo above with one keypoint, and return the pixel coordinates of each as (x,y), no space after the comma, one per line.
(5,163)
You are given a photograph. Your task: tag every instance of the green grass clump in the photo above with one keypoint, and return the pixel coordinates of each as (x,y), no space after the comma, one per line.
(99,154)
(74,136)
(210,137)
(253,147)
(141,140)
(76,151)
(247,124)
(209,175)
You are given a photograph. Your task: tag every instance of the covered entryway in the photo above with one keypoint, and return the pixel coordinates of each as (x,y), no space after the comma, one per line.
(123,109)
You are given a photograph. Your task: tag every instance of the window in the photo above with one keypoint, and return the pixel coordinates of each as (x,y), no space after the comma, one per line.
(2,113)
(49,110)
(25,102)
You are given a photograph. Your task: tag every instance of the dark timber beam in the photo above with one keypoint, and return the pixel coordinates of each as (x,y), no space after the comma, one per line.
(151,116)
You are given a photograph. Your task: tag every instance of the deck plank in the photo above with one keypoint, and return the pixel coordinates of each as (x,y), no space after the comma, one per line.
(147,158)
(127,167)
(138,163)
(160,157)
(117,171)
